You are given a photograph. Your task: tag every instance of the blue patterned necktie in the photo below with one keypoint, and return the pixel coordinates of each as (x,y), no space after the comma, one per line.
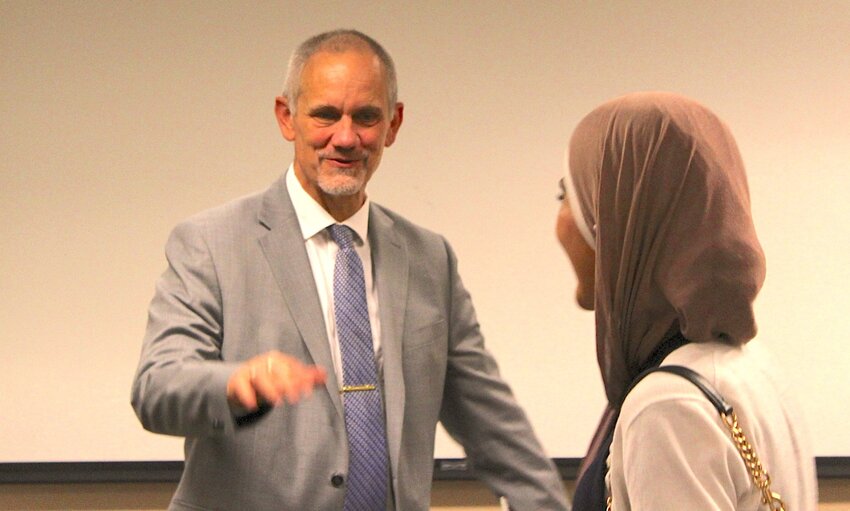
(366,489)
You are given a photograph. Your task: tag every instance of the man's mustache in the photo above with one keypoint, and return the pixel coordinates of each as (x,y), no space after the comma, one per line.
(343,157)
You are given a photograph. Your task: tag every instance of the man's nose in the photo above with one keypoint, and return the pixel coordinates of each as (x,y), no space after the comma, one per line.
(345,134)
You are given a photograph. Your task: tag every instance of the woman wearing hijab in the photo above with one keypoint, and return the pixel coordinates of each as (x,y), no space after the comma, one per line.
(656,221)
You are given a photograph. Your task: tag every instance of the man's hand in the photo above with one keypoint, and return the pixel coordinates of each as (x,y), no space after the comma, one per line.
(271,378)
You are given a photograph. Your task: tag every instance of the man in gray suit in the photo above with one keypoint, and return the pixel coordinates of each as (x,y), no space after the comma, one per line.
(242,352)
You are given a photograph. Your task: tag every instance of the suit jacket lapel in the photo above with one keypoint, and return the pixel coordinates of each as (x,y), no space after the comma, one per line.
(283,247)
(390,270)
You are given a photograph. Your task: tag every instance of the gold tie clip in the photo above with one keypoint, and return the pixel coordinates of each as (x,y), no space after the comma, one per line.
(356,388)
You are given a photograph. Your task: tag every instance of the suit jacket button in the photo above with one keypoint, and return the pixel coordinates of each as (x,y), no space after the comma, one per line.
(218,424)
(337,480)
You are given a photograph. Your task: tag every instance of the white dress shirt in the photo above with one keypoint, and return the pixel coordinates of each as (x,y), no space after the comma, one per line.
(321,250)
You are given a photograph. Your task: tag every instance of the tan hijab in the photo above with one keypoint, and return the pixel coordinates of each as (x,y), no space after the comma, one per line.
(659,182)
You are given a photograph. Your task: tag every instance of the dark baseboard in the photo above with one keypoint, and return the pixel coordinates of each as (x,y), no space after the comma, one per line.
(833,467)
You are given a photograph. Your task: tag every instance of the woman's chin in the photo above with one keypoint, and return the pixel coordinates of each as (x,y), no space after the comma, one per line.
(585,300)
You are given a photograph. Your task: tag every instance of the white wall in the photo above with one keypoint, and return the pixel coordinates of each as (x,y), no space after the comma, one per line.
(121,118)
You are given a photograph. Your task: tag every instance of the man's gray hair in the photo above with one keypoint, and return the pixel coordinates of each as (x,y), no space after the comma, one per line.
(337,41)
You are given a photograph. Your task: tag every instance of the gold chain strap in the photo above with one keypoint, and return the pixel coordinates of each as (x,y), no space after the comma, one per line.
(760,476)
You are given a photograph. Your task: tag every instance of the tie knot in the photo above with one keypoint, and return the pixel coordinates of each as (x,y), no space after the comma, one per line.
(342,235)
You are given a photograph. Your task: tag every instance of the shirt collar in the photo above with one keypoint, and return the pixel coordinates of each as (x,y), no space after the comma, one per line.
(313,218)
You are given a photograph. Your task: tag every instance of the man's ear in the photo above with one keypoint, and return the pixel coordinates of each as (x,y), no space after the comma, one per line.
(395,124)
(284,118)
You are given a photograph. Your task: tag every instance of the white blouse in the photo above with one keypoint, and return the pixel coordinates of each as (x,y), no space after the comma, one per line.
(671,450)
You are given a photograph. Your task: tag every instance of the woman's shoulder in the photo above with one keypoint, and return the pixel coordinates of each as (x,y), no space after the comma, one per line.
(716,362)
(659,394)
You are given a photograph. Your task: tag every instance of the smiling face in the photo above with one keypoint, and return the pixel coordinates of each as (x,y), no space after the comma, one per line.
(340,126)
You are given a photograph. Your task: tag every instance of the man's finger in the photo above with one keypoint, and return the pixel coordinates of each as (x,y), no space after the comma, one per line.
(265,385)
(240,392)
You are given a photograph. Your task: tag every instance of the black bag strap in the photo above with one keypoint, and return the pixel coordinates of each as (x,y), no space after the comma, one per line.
(694,377)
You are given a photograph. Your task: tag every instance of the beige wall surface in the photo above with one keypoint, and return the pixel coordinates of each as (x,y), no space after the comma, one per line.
(121,118)
(446,496)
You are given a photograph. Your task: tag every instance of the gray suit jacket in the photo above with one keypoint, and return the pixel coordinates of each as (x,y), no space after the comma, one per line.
(239,283)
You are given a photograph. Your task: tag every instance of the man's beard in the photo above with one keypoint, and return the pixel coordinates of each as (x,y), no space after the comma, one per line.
(342,187)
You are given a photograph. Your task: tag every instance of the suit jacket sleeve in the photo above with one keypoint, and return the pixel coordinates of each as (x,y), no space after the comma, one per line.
(180,384)
(479,410)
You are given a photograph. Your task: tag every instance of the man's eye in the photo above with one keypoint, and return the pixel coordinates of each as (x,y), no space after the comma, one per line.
(325,115)
(367,118)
